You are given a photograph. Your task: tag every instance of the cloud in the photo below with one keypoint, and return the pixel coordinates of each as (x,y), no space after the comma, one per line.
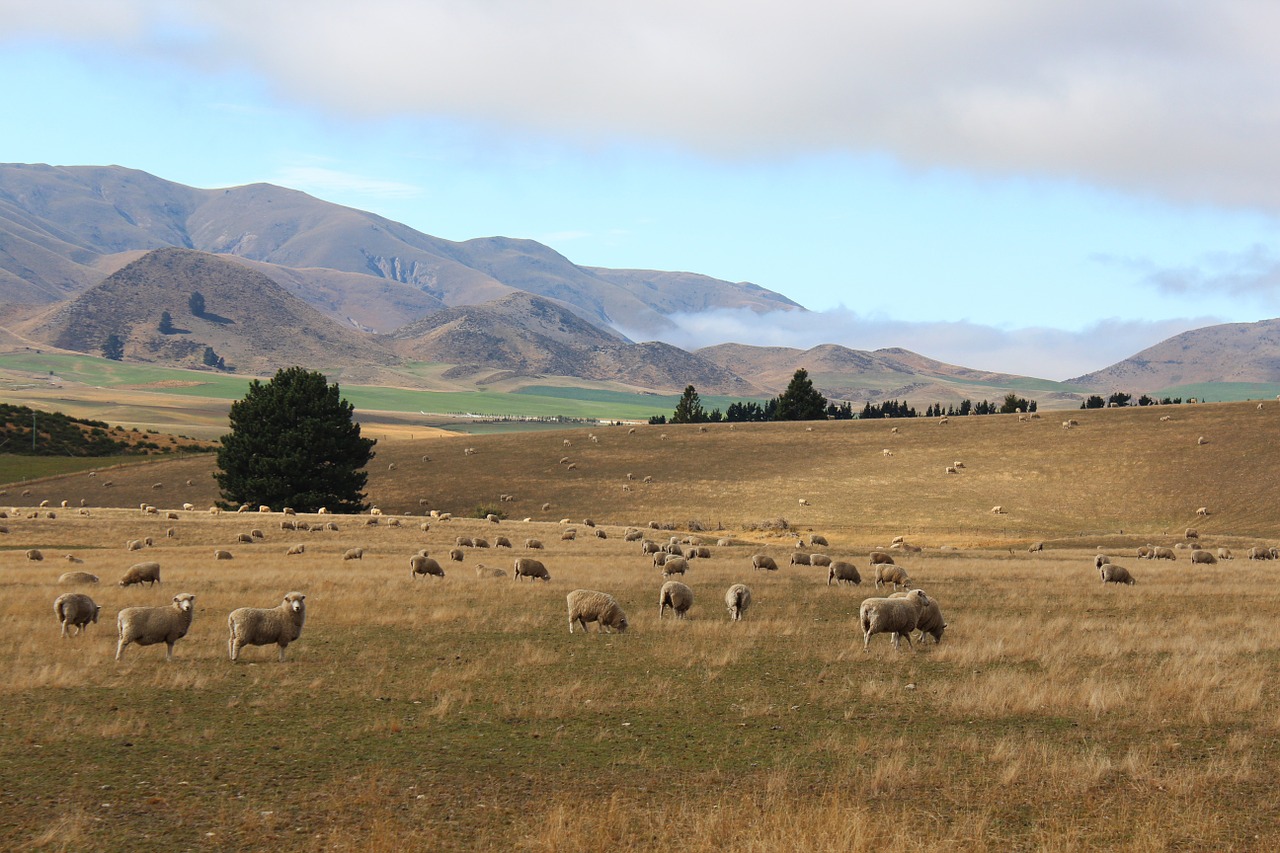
(1251,273)
(1029,351)
(1176,100)
(321,181)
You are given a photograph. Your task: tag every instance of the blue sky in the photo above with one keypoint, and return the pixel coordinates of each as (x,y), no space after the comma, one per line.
(1037,188)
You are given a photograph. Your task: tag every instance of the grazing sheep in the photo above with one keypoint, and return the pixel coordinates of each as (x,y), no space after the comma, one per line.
(1191,533)
(288,524)
(256,534)
(147,626)
(1259,553)
(1036,547)
(1200,556)
(931,622)
(763,561)
(527,567)
(843,572)
(951,469)
(648,547)
(818,539)
(1100,560)
(221,555)
(533,544)
(1112,573)
(701,552)
(677,596)
(463,541)
(133,545)
(1146,552)
(77,577)
(897,617)
(479,542)
(803,502)
(881,558)
(456,555)
(34,555)
(501,542)
(140,573)
(588,605)
(799,559)
(354,554)
(891,574)
(421,564)
(1203,511)
(674,566)
(886,452)
(244,539)
(569,535)
(819,560)
(957,464)
(1202,440)
(1162,553)
(1225,554)
(997,510)
(74,608)
(483,571)
(631,534)
(262,626)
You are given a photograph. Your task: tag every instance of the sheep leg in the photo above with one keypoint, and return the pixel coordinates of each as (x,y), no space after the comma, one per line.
(168,655)
(120,648)
(282,648)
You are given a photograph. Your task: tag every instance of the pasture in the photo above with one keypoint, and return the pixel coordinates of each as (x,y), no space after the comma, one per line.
(1057,713)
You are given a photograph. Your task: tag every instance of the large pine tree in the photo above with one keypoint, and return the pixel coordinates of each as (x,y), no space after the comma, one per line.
(293,443)
(801,401)
(689,409)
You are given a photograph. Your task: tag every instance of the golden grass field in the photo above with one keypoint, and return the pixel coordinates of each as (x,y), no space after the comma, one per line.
(1056,714)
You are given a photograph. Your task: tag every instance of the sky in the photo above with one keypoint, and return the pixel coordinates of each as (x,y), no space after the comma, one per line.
(1038,188)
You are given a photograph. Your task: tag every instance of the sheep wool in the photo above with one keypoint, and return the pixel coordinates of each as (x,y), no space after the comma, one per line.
(737,598)
(147,626)
(75,609)
(677,596)
(589,605)
(258,626)
(897,617)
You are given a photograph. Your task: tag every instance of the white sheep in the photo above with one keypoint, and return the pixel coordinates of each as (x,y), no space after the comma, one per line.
(421,564)
(804,502)
(677,596)
(589,605)
(673,565)
(1112,573)
(295,550)
(262,626)
(1036,547)
(763,561)
(1200,556)
(74,608)
(35,555)
(353,554)
(221,555)
(140,573)
(891,574)
(931,622)
(1225,554)
(530,568)
(819,539)
(799,559)
(737,598)
(77,577)
(880,557)
(147,626)
(897,617)
(819,560)
(840,571)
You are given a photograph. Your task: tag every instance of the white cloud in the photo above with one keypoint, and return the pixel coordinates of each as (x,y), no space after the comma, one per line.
(1176,99)
(1031,351)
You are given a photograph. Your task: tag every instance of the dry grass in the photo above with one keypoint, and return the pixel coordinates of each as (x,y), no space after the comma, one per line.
(1057,714)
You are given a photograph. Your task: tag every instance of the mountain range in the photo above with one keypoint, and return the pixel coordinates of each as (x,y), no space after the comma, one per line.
(91,252)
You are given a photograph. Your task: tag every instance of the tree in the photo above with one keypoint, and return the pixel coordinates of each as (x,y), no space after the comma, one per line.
(113,347)
(1119,398)
(293,443)
(196,304)
(1093,402)
(212,359)
(801,401)
(689,410)
(166,323)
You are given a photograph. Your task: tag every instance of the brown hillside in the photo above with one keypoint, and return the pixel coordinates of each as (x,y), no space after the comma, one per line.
(1122,475)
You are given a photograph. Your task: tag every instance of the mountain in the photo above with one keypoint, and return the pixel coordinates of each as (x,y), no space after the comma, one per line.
(60,228)
(1231,352)
(255,325)
(527,335)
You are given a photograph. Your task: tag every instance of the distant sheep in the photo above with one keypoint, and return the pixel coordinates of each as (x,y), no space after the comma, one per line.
(799,559)
(1191,533)
(738,599)
(483,571)
(881,558)
(140,573)
(1100,560)
(527,567)
(75,609)
(897,617)
(354,554)
(480,542)
(533,544)
(997,510)
(463,541)
(295,550)
(891,574)
(1111,573)
(501,542)
(77,577)
(821,560)
(1036,547)
(221,555)
(456,555)
(1225,554)
(421,564)
(841,572)
(1162,553)
(1199,556)
(34,555)
(763,561)
(133,545)
(674,566)
(803,502)
(677,596)
(147,626)
(951,469)
(263,626)
(1203,511)
(244,538)
(588,605)
(1202,440)
(569,535)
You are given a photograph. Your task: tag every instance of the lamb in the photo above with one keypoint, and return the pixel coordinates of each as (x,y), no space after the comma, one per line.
(1112,573)
(799,559)
(354,554)
(931,621)
(588,605)
(140,573)
(1200,556)
(527,567)
(677,596)
(897,617)
(77,577)
(846,572)
(763,561)
(891,574)
(674,566)
(738,599)
(420,564)
(147,626)
(821,560)
(221,555)
(262,626)
(74,608)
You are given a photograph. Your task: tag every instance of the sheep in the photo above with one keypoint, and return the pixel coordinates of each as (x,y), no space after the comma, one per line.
(463,541)
(677,596)
(1112,573)
(804,502)
(147,626)
(287,524)
(74,608)
(140,573)
(997,510)
(1202,440)
(843,572)
(483,571)
(527,567)
(533,544)
(264,508)
(501,542)
(1146,552)
(1225,554)
(819,539)
(421,564)
(354,554)
(897,617)
(951,469)
(1100,560)
(1201,556)
(1036,547)
(799,559)
(821,560)
(701,552)
(479,542)
(77,577)
(456,555)
(891,574)
(631,534)
(881,558)
(647,480)
(674,566)
(1259,553)
(647,547)
(262,626)
(34,555)
(1191,533)
(931,622)
(1202,512)
(133,545)
(1162,553)
(588,605)
(886,452)
(256,534)
(763,561)
(492,518)
(295,550)
(221,555)
(244,539)
(957,464)
(569,535)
